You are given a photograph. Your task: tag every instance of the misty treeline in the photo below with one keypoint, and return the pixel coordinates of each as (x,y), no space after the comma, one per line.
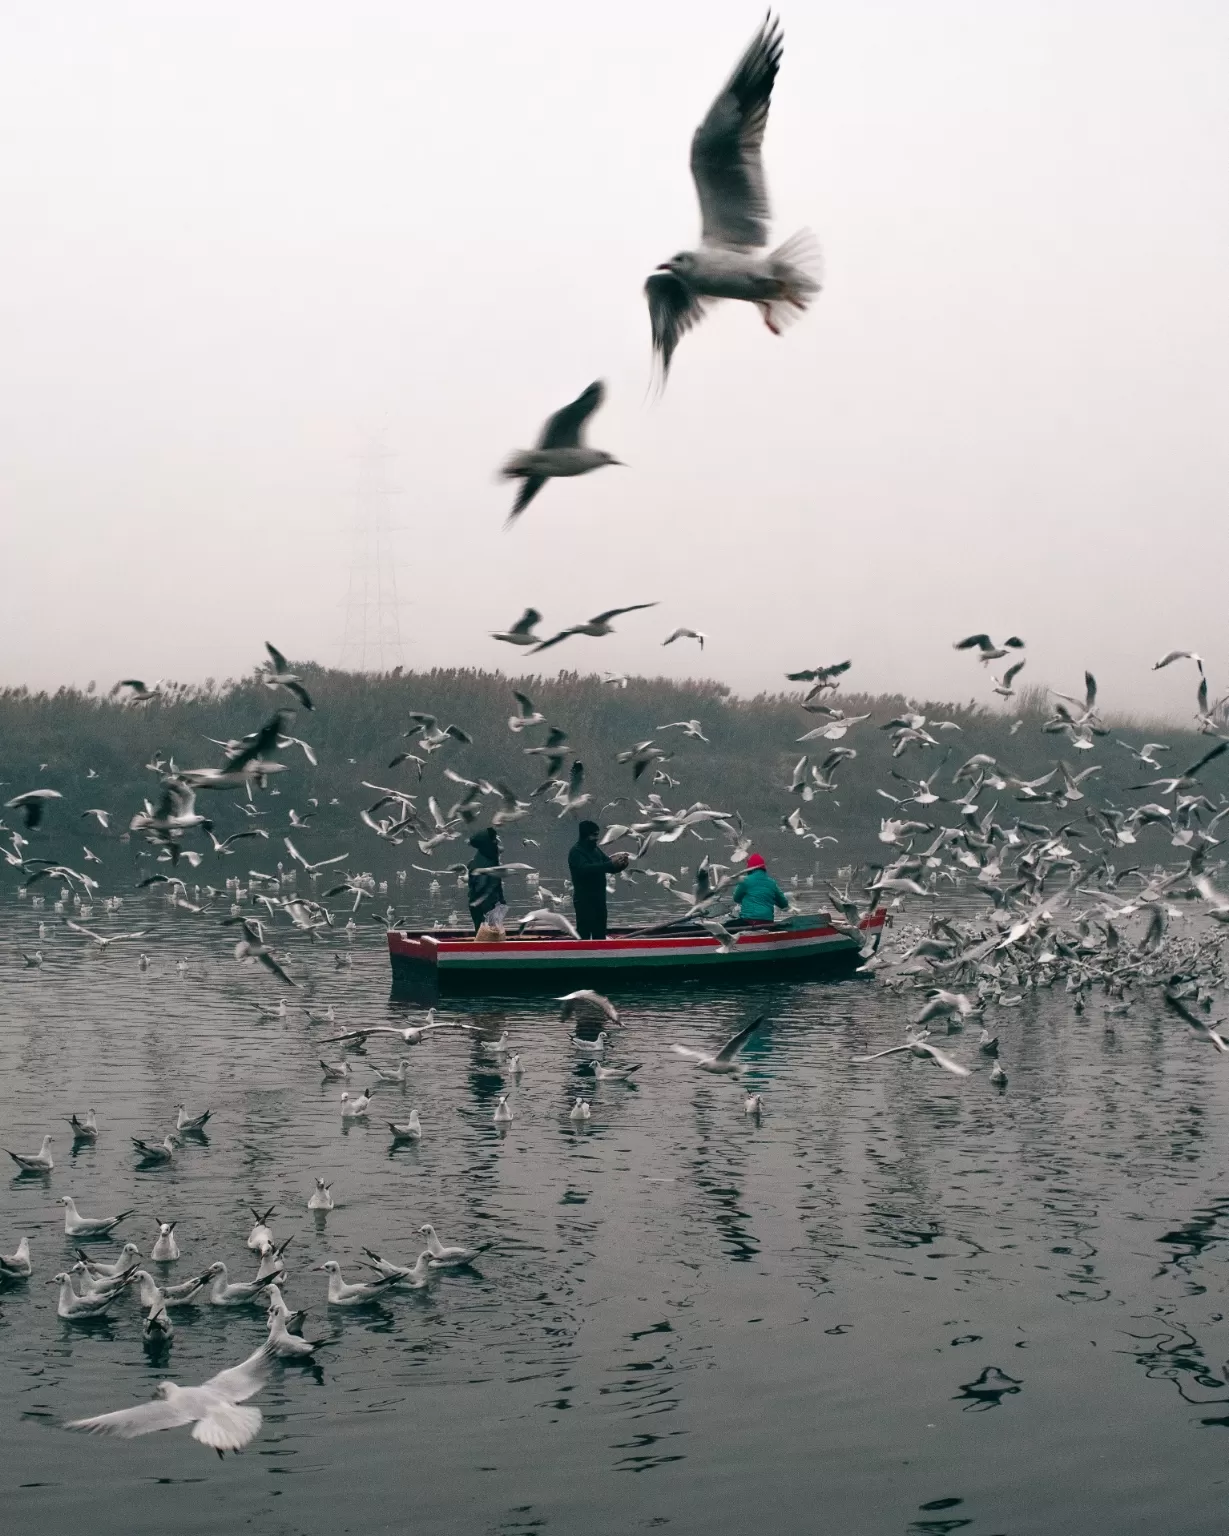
(54,740)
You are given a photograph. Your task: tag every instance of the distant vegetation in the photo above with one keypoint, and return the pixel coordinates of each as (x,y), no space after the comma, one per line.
(54,740)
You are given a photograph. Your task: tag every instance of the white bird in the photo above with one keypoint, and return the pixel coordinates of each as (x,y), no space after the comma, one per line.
(212,1408)
(526,715)
(595,627)
(32,804)
(731,262)
(997,1075)
(336,1070)
(17,1265)
(682,633)
(225,1292)
(279,675)
(355,1105)
(35,1162)
(75,1309)
(401,1075)
(157,1330)
(112,1269)
(603,1074)
(753,1104)
(580,1111)
(76,1225)
(184,1294)
(503,1114)
(521,632)
(320,1198)
(446,1253)
(1170,656)
(690,728)
(408,1130)
(1201,1027)
(165,1249)
(723,1060)
(261,1232)
(343,1293)
(587,1003)
(918,1045)
(186,1122)
(560,451)
(543,920)
(156,1151)
(987,648)
(287,1345)
(272,1266)
(415,1275)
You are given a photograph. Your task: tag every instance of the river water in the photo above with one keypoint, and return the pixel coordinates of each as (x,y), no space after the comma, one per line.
(900,1302)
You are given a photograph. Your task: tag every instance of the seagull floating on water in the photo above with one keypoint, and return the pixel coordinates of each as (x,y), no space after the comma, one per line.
(165,1249)
(320,1198)
(76,1225)
(35,1162)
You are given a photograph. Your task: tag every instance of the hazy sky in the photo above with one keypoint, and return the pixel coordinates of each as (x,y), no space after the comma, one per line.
(238,240)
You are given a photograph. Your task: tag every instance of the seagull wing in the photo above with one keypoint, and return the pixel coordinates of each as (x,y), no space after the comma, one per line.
(239,1382)
(566,427)
(1013,671)
(525,623)
(276,657)
(673,310)
(613,613)
(892,1050)
(529,488)
(142,1419)
(1207,757)
(736,1042)
(725,152)
(691,1055)
(944,1060)
(982,642)
(545,645)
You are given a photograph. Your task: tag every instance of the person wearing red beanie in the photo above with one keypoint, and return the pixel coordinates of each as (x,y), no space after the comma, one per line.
(758,895)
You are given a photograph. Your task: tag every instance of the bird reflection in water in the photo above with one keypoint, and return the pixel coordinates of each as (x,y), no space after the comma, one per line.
(988,1391)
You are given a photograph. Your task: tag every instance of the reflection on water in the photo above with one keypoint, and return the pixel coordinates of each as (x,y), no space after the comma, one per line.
(805,1317)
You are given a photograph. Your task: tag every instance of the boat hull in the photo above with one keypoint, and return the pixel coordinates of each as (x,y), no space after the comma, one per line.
(446,961)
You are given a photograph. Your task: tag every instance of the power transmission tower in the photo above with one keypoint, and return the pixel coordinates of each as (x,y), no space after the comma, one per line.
(372,637)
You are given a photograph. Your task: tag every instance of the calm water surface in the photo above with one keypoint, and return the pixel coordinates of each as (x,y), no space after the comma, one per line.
(901,1303)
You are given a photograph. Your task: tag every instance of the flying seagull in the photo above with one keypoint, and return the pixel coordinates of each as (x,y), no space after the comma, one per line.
(597,626)
(732,261)
(683,633)
(989,651)
(521,632)
(560,451)
(212,1408)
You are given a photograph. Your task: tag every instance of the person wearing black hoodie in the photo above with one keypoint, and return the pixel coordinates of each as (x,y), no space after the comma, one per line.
(588,866)
(486,888)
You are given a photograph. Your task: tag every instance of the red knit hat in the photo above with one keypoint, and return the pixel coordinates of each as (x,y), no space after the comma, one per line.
(756,861)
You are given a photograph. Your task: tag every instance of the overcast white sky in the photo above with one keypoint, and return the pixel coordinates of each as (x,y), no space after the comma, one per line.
(238,239)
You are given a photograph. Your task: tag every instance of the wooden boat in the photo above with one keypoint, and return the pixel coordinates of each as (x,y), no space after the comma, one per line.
(444,959)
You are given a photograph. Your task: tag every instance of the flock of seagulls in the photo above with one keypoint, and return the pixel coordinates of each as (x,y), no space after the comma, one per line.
(1054,908)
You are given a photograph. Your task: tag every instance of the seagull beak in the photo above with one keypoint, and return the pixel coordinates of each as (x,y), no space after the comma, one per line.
(663,266)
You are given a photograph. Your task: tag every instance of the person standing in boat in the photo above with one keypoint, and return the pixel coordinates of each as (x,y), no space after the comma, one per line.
(486,886)
(588,866)
(758,895)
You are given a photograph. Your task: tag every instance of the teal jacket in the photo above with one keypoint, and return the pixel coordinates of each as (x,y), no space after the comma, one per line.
(758,895)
